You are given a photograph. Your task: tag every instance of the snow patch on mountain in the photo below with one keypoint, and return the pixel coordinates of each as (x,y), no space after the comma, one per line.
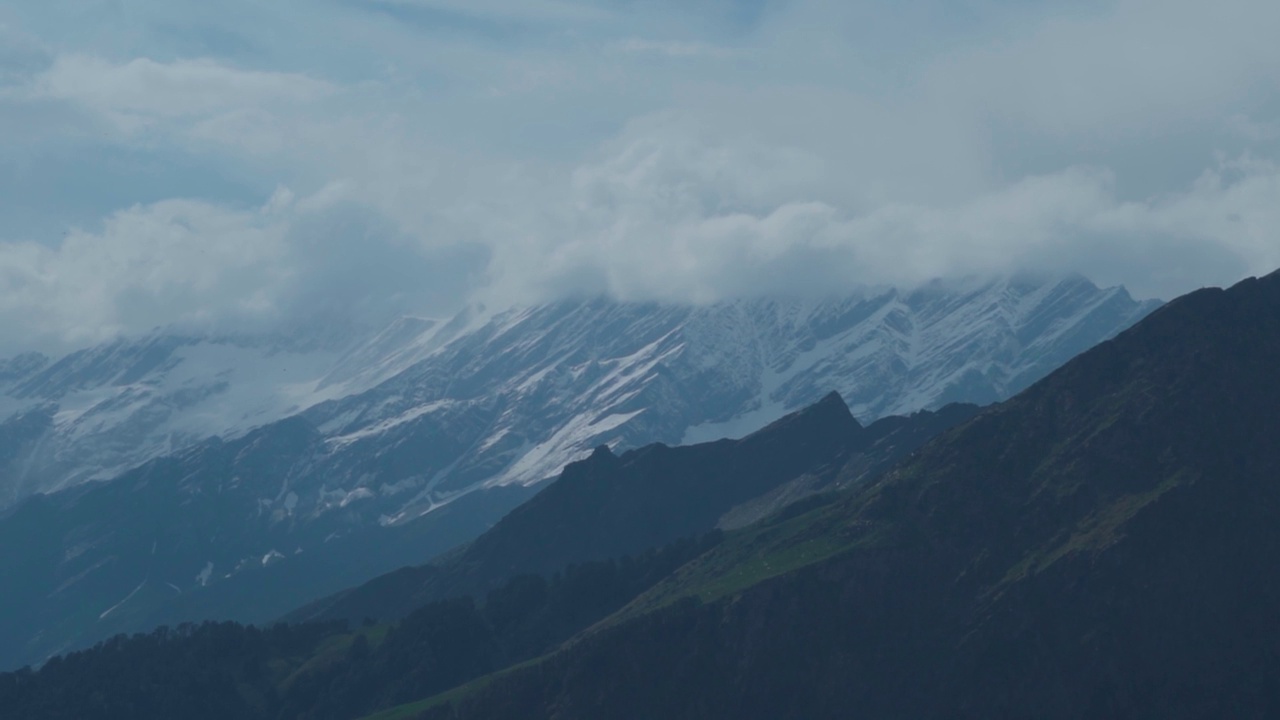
(514,398)
(111,408)
(566,445)
(424,411)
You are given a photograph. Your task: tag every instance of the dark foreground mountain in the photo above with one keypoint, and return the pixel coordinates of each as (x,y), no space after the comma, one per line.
(1102,546)
(609,506)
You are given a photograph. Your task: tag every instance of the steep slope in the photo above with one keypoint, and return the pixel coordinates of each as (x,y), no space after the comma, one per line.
(543,386)
(1101,546)
(220,530)
(210,533)
(98,412)
(16,369)
(528,390)
(583,548)
(608,506)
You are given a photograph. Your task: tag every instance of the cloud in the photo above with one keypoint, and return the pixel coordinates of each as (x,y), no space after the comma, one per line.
(672,48)
(1136,67)
(689,219)
(203,266)
(148,266)
(505,10)
(441,151)
(20,54)
(141,91)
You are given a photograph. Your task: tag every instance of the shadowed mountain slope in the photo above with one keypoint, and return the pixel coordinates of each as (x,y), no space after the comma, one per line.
(1103,545)
(605,521)
(608,506)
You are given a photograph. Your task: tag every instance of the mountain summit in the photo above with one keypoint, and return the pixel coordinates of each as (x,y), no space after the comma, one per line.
(512,397)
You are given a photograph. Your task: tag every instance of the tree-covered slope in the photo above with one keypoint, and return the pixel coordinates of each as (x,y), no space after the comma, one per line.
(325,671)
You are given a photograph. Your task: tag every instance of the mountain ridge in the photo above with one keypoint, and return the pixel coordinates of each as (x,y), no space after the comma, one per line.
(433,456)
(1098,546)
(608,506)
(699,374)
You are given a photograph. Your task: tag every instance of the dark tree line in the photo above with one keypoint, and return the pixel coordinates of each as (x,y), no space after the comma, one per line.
(210,670)
(330,671)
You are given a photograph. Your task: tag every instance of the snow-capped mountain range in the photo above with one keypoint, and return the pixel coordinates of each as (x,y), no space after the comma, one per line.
(98,412)
(511,397)
(279,469)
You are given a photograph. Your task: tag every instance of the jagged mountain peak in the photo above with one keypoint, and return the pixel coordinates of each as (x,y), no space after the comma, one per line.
(827,414)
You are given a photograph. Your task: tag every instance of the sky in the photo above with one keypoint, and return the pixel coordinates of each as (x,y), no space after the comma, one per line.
(237,165)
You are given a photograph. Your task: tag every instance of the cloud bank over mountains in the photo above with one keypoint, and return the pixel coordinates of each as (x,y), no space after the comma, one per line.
(249,163)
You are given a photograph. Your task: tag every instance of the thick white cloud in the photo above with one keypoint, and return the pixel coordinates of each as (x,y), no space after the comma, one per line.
(211,267)
(442,151)
(174,261)
(690,219)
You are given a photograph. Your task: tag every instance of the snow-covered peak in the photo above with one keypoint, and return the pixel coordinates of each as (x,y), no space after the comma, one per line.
(99,411)
(399,346)
(437,408)
(516,397)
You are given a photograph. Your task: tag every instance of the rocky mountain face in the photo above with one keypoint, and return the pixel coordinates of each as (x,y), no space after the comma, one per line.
(101,411)
(530,390)
(514,396)
(610,506)
(389,451)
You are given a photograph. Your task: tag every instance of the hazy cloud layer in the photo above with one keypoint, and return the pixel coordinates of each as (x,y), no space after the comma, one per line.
(239,164)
